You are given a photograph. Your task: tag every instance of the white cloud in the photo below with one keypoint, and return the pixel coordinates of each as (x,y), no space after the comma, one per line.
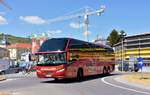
(76,25)
(3,20)
(54,31)
(86,33)
(33,20)
(51,33)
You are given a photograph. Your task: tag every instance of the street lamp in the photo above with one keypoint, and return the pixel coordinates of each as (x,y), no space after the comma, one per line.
(139,47)
(122,35)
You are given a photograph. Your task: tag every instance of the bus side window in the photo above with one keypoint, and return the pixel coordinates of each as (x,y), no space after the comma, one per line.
(73,57)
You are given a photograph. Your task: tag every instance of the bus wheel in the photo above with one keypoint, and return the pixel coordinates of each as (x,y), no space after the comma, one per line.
(80,74)
(56,79)
(104,70)
(108,70)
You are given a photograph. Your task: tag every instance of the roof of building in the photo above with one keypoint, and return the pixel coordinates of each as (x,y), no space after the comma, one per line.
(136,35)
(20,45)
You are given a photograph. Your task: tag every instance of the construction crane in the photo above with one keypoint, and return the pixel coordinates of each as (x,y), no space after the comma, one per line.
(85,16)
(5,4)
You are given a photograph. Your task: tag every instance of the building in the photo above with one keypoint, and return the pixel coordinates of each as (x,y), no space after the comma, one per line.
(37,41)
(132,47)
(4,42)
(4,53)
(35,45)
(17,49)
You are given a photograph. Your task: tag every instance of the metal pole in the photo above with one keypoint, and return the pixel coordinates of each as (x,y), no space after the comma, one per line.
(122,54)
(140,56)
(139,47)
(86,22)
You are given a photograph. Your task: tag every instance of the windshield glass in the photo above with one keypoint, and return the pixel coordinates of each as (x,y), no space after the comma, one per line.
(51,59)
(53,44)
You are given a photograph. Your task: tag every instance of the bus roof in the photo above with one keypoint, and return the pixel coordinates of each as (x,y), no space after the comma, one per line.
(60,44)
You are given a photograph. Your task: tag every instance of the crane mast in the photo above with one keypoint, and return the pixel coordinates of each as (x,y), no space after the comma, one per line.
(86,19)
(85,15)
(5,4)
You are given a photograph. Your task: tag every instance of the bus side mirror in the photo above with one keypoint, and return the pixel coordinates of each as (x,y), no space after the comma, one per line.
(30,57)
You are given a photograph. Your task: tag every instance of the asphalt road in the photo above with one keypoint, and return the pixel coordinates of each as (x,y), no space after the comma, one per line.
(94,85)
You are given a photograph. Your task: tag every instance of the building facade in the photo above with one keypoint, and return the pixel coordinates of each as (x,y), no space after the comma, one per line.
(17,49)
(132,47)
(4,42)
(4,53)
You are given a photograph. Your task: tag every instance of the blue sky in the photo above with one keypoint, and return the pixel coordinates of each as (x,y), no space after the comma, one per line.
(29,17)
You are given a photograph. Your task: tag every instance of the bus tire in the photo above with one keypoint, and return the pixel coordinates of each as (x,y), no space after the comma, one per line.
(56,79)
(108,70)
(80,74)
(104,71)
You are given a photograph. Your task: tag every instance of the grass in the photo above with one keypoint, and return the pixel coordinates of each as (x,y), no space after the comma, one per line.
(138,78)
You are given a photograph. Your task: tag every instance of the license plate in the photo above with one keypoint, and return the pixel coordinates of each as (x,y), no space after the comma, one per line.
(48,75)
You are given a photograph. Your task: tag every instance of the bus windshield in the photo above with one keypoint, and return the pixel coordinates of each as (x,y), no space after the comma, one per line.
(53,44)
(51,59)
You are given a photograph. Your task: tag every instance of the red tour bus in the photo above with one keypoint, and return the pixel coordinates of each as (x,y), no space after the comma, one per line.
(72,58)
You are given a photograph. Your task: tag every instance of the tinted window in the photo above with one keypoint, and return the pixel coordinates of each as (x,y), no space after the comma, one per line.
(109,50)
(53,45)
(78,44)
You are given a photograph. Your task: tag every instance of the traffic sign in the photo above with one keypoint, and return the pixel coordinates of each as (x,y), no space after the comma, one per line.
(140,62)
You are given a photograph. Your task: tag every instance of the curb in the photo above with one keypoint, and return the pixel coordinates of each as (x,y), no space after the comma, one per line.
(2,78)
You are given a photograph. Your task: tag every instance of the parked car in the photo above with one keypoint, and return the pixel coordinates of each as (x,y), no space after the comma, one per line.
(128,67)
(4,65)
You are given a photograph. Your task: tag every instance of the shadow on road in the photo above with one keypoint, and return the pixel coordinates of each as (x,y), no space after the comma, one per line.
(88,78)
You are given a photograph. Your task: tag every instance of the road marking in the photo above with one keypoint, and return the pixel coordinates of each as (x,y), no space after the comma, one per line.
(117,86)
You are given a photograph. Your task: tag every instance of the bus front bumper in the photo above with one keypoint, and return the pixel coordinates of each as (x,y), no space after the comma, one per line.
(48,74)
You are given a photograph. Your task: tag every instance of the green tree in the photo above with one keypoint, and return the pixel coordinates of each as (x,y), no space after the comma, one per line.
(113,37)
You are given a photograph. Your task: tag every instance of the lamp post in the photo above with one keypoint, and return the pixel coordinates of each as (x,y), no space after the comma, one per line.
(122,54)
(139,47)
(122,34)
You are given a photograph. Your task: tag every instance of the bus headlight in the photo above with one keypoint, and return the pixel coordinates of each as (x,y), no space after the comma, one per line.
(38,71)
(61,70)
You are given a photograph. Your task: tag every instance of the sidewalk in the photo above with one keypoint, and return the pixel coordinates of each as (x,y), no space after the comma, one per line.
(19,75)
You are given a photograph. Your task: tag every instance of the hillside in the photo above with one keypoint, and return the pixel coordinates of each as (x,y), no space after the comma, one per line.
(13,39)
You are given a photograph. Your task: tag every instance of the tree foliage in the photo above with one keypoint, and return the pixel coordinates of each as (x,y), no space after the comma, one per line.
(14,39)
(113,37)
